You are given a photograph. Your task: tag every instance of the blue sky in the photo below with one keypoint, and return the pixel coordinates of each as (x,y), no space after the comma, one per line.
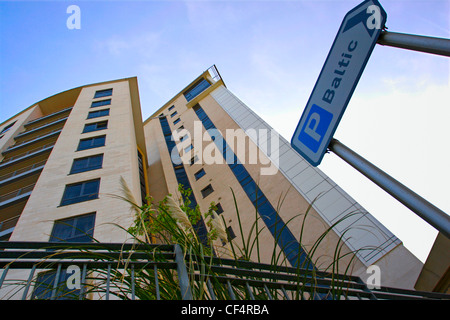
(270,54)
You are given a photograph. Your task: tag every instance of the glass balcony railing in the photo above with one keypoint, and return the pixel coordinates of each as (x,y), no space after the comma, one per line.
(16,193)
(20,171)
(26,154)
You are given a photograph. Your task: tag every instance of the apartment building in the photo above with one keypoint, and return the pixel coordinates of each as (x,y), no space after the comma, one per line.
(63,159)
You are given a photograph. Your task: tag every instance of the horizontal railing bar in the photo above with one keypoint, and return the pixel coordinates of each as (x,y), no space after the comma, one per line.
(277,270)
(286,277)
(123,256)
(388,291)
(287,286)
(47,125)
(48,116)
(83,245)
(89,264)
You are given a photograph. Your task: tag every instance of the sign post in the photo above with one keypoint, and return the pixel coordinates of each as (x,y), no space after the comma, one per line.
(340,74)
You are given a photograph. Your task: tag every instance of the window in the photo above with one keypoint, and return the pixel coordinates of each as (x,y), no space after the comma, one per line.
(207,191)
(196,89)
(171,108)
(101,103)
(194,159)
(188,148)
(219,208)
(79,192)
(90,143)
(103,93)
(199,174)
(96,126)
(99,113)
(176,121)
(173,114)
(9,126)
(87,164)
(74,229)
(180,128)
(230,233)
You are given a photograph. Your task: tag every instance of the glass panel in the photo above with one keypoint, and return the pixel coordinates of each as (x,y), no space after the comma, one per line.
(90,187)
(103,93)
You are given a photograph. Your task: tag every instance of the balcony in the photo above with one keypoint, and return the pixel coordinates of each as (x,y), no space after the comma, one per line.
(33,124)
(31,133)
(7,227)
(22,172)
(17,146)
(25,155)
(163,272)
(13,197)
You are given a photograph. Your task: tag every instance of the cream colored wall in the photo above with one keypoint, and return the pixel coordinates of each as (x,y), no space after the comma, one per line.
(399,268)
(120,159)
(223,181)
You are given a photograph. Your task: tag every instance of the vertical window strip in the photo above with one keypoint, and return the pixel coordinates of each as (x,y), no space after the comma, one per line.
(183,179)
(284,237)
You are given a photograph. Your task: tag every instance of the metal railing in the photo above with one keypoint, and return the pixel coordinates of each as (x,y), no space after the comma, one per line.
(9,223)
(47,125)
(21,155)
(16,193)
(22,170)
(46,117)
(49,133)
(149,271)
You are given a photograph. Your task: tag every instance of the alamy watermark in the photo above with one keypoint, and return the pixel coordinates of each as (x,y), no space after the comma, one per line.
(74,20)
(251,146)
(374,279)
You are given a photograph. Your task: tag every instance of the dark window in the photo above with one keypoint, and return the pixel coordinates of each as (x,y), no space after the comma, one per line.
(96,126)
(90,143)
(174,114)
(199,174)
(176,121)
(45,281)
(79,192)
(196,89)
(219,208)
(180,128)
(9,126)
(98,113)
(188,148)
(171,108)
(87,163)
(207,191)
(142,177)
(103,93)
(230,233)
(101,103)
(75,229)
(194,159)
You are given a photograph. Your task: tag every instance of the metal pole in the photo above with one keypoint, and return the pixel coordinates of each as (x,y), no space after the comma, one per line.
(440,46)
(183,276)
(427,211)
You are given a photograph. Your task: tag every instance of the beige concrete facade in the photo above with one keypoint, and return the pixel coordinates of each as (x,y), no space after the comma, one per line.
(120,159)
(358,233)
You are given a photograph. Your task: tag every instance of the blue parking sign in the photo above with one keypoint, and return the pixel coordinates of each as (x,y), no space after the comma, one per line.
(337,80)
(315,127)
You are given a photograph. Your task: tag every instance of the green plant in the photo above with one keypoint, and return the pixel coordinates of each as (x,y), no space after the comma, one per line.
(172,221)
